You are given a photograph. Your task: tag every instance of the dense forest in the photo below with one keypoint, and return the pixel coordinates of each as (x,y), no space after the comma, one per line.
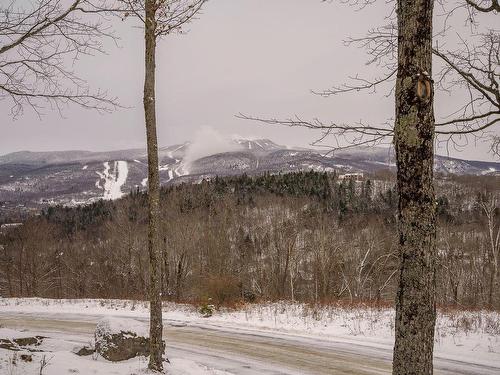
(308,236)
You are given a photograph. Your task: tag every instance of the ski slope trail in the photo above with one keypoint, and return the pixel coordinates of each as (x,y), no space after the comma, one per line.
(114,178)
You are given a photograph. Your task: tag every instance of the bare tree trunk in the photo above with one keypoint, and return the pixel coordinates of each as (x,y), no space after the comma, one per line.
(165,273)
(59,276)
(156,323)
(489,207)
(414,136)
(21,273)
(178,278)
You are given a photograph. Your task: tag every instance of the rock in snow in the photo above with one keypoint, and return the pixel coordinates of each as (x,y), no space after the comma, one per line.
(119,339)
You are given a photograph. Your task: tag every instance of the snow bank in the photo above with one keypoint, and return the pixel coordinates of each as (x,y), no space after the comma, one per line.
(64,362)
(11,334)
(113,325)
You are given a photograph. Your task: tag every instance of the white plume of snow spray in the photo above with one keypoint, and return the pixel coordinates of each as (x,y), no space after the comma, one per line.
(208,141)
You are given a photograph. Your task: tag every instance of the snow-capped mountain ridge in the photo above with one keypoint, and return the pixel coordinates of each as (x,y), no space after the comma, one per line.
(33,178)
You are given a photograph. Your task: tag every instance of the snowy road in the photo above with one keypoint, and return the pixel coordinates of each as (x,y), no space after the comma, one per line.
(244,352)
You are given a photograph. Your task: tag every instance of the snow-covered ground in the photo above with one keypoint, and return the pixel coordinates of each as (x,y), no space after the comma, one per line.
(461,337)
(55,356)
(114,179)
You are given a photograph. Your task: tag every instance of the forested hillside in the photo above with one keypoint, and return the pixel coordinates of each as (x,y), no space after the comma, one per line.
(305,236)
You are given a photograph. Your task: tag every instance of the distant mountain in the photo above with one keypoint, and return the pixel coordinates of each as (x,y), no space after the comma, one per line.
(31,179)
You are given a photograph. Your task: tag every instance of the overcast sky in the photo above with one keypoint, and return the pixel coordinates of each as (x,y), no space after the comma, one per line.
(259,57)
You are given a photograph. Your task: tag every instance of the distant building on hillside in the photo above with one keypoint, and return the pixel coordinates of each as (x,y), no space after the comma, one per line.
(352,176)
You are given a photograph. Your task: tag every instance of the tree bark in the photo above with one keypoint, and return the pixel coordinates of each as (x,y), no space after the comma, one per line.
(156,323)
(414,137)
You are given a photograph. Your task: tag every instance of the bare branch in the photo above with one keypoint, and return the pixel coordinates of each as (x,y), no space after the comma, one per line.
(345,135)
(171,15)
(473,69)
(359,85)
(38,43)
(494,6)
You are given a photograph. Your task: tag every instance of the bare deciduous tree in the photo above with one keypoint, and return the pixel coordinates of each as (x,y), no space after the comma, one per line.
(38,43)
(159,18)
(488,204)
(472,68)
(414,147)
(405,49)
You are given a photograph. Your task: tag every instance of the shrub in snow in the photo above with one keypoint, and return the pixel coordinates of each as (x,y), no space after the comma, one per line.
(249,296)
(221,289)
(84,351)
(121,339)
(207,310)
